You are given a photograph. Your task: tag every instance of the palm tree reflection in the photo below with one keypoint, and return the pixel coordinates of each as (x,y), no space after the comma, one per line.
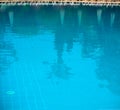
(109,63)
(65,36)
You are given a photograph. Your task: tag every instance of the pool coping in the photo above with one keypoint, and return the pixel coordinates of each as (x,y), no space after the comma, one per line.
(58,3)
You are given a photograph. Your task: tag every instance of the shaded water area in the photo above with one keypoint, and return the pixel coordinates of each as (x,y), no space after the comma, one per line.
(59,58)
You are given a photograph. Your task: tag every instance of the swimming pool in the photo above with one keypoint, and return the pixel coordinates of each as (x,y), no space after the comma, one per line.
(59,58)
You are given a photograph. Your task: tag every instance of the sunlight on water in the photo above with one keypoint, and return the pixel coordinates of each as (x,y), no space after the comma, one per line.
(59,58)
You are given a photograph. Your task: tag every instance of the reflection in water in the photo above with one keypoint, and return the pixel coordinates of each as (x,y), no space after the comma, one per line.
(65,35)
(7,51)
(22,26)
(99,15)
(7,54)
(11,16)
(112,18)
(62,14)
(57,31)
(60,69)
(109,62)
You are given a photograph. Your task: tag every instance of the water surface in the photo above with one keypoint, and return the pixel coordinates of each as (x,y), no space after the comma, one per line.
(59,58)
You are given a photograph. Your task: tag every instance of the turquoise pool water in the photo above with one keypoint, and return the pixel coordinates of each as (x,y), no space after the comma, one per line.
(59,58)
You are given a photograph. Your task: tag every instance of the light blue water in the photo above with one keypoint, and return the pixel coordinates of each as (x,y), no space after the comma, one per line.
(59,58)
